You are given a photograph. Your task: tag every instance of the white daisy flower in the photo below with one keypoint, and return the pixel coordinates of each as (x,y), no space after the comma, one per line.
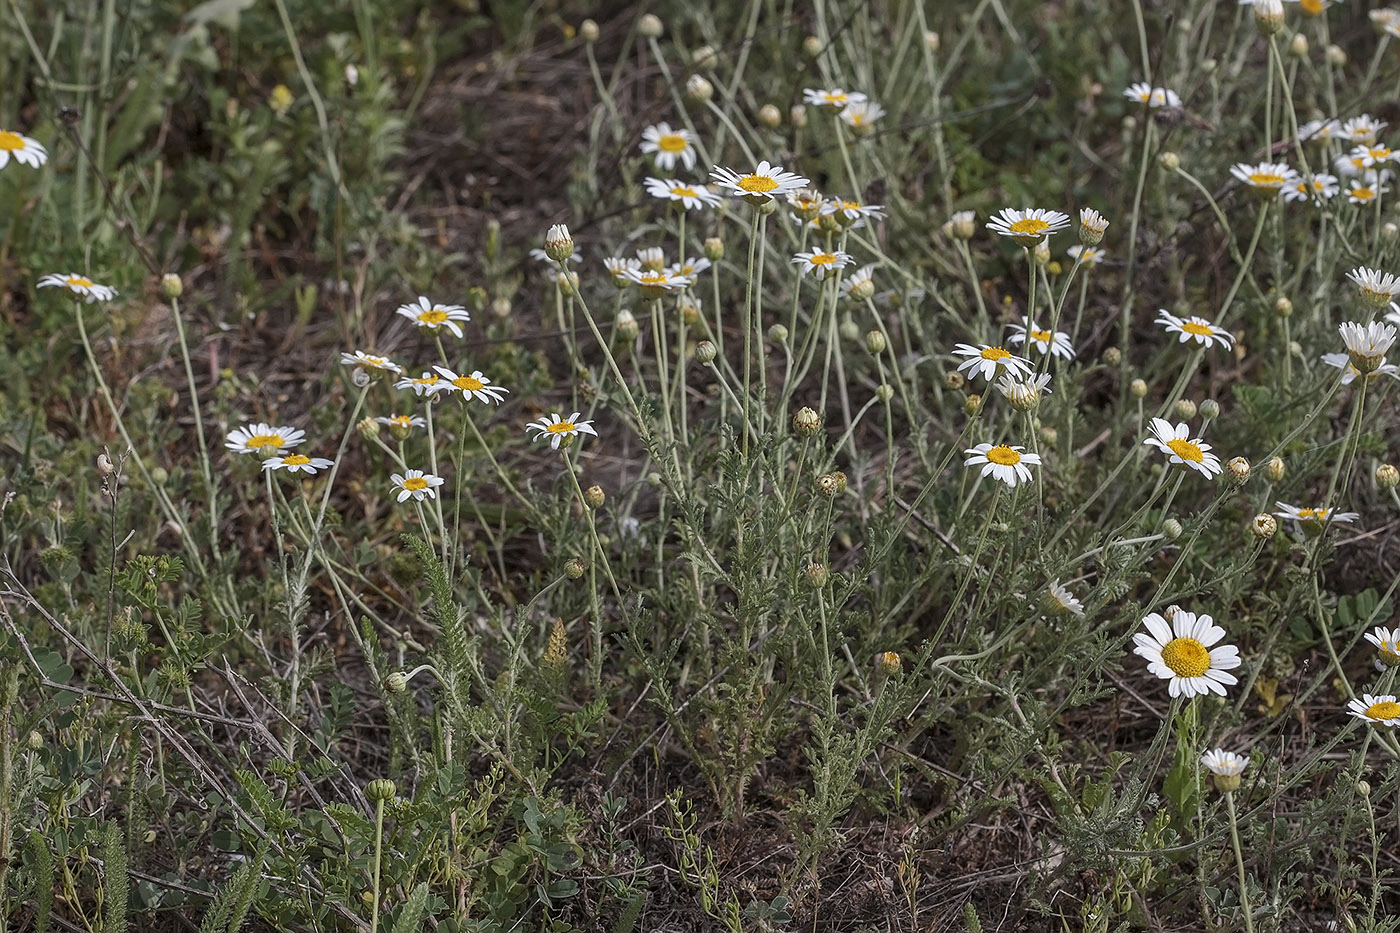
(556,428)
(1313,520)
(80,286)
(296,463)
(822,263)
(1387,642)
(475,386)
(1092,227)
(860,283)
(691,197)
(1195,329)
(1362,129)
(1265,177)
(1024,394)
(658,283)
(417,484)
(427,384)
(1182,652)
(1343,362)
(370,361)
(1182,449)
(1320,187)
(850,210)
(1372,155)
(667,145)
(1225,767)
(1154,97)
(617,267)
(651,258)
(402,424)
(988,361)
(431,315)
(1002,462)
(22,149)
(1027,227)
(1062,601)
(1380,710)
(764,183)
(1377,288)
(263,439)
(1319,130)
(860,115)
(1367,345)
(1056,343)
(834,98)
(1365,190)
(1088,255)
(690,267)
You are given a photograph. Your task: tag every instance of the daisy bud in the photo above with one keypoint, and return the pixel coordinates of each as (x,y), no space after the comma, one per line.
(1389,230)
(1054,267)
(1273,469)
(705,352)
(650,26)
(862,288)
(699,89)
(954,381)
(1169,161)
(714,249)
(1336,56)
(1049,436)
(567,282)
(1363,788)
(778,333)
(875,342)
(932,41)
(1092,226)
(812,46)
(1268,16)
(367,427)
(104,465)
(594,496)
(690,311)
(396,682)
(558,245)
(1298,48)
(849,331)
(1209,65)
(1387,477)
(171,286)
(626,326)
(588,31)
(159,475)
(1137,388)
(1264,526)
(501,307)
(574,568)
(972,404)
(766,207)
(34,740)
(884,392)
(1041,252)
(831,484)
(770,116)
(704,57)
(1283,307)
(888,663)
(797,116)
(806,422)
(382,789)
(962,225)
(1112,356)
(1172,528)
(1210,408)
(816,575)
(352,75)
(1238,470)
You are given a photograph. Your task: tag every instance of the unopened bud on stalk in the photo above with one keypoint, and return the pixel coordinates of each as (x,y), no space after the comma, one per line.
(1210,409)
(1041,253)
(1238,470)
(962,225)
(1184,409)
(1172,528)
(812,46)
(382,789)
(1336,56)
(594,497)
(626,326)
(884,392)
(714,248)
(806,422)
(171,286)
(972,404)
(1298,47)
(34,740)
(797,116)
(650,26)
(367,427)
(704,57)
(558,245)
(770,116)
(1137,388)
(705,352)
(1049,436)
(1389,230)
(1387,477)
(778,333)
(1264,526)
(1112,356)
(1283,306)
(588,31)
(888,663)
(1169,161)
(397,682)
(1268,16)
(875,342)
(1273,470)
(932,41)
(699,89)
(816,575)
(831,484)
(574,568)
(848,330)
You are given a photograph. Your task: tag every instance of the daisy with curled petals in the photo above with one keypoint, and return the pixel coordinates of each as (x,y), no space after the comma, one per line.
(1183,652)
(1061,601)
(1387,642)
(1152,97)
(431,315)
(1024,394)
(1320,187)
(1380,710)
(1350,373)
(822,263)
(1002,462)
(1376,288)
(1056,343)
(690,267)
(79,286)
(691,197)
(860,283)
(401,426)
(666,145)
(1027,227)
(835,98)
(22,149)
(1196,329)
(1367,345)
(1225,767)
(1088,255)
(1092,226)
(1181,448)
(426,384)
(806,203)
(297,463)
(263,439)
(1313,520)
(657,283)
(859,115)
(1266,178)
(1319,130)
(475,386)
(1365,190)
(850,210)
(764,183)
(618,267)
(556,428)
(416,484)
(367,361)
(988,361)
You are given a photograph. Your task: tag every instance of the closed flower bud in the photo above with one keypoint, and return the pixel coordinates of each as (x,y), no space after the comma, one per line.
(932,42)
(812,46)
(382,789)
(1363,788)
(1112,356)
(849,331)
(588,31)
(884,392)
(1049,436)
(1238,470)
(1298,47)
(714,249)
(806,422)
(368,428)
(962,225)
(797,116)
(1169,161)
(501,307)
(831,484)
(1387,477)
(1264,526)
(1137,388)
(699,89)
(1336,56)
(816,575)
(1210,408)
(34,740)
(397,682)
(770,116)
(778,333)
(626,326)
(875,342)
(171,285)
(1226,783)
(889,663)
(705,352)
(972,404)
(704,57)
(1172,528)
(650,26)
(1389,230)
(1268,16)
(1041,253)
(1283,307)
(558,245)
(574,568)
(1273,469)
(594,497)
(159,475)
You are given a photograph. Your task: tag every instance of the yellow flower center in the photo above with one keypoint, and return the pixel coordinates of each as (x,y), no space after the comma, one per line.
(468,383)
(435,316)
(672,142)
(849,205)
(1197,329)
(1384,711)
(1379,152)
(401,421)
(653,278)
(1313,7)
(1266,179)
(1390,653)
(1041,336)
(831,98)
(1363,194)
(1187,451)
(1186,657)
(757,184)
(11,142)
(425,381)
(683,192)
(265,440)
(1003,456)
(823,259)
(1029,226)
(561,427)
(295,460)
(415,483)
(857,119)
(77,281)
(995,353)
